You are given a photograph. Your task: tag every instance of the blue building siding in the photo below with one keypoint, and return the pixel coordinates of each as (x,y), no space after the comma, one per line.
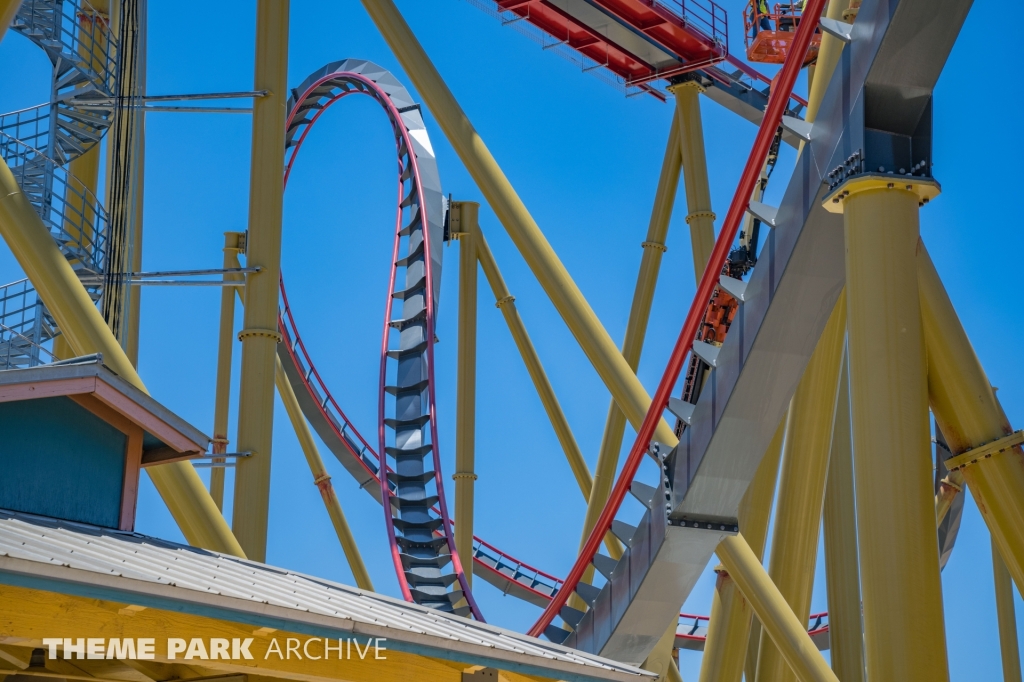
(58,459)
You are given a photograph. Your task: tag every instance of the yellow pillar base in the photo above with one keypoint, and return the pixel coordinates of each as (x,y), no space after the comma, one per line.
(902,593)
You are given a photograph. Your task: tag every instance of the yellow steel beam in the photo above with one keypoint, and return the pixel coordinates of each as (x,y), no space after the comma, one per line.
(616,373)
(636,331)
(758,537)
(846,638)
(1008,645)
(828,57)
(729,628)
(466,228)
(259,334)
(178,483)
(969,414)
(699,215)
(802,484)
(901,589)
(8,8)
(784,628)
(949,488)
(138,195)
(506,303)
(234,243)
(661,660)
(321,478)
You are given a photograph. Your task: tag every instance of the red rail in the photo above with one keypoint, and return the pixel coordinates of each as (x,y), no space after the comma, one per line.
(777,104)
(693,32)
(373,90)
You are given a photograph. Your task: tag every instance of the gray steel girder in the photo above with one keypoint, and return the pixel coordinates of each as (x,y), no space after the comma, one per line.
(891,67)
(893,62)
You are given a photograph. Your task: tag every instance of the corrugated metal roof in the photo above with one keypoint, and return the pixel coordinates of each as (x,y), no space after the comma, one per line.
(141,565)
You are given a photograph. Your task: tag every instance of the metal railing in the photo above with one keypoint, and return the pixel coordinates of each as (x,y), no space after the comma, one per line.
(69,210)
(706,18)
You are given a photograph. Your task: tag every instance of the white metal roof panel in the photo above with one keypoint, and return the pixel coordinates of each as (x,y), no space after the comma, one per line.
(150,572)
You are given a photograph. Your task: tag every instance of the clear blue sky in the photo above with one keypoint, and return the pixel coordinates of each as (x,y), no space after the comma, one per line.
(585,161)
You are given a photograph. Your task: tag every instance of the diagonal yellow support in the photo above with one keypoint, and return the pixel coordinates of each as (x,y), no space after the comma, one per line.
(778,620)
(8,8)
(506,303)
(602,352)
(1009,647)
(178,483)
(839,521)
(969,414)
(321,478)
(636,327)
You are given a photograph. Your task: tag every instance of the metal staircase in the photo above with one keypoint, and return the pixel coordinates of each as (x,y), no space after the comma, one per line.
(39,142)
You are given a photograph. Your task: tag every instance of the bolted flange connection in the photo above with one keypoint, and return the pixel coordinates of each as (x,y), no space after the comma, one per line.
(266,333)
(924,189)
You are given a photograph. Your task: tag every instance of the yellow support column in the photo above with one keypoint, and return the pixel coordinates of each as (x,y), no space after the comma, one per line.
(465,227)
(636,330)
(845,632)
(259,334)
(38,255)
(616,373)
(969,414)
(901,590)
(138,189)
(729,628)
(802,485)
(1008,646)
(321,478)
(786,631)
(828,57)
(234,243)
(699,216)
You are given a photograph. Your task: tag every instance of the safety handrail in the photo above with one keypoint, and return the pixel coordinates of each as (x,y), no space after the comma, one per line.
(710,20)
(74,214)
(751,172)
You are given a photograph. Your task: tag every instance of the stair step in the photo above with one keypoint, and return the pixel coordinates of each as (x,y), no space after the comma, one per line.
(623,531)
(419,286)
(644,493)
(587,593)
(415,319)
(410,388)
(605,564)
(556,634)
(571,616)
(403,353)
